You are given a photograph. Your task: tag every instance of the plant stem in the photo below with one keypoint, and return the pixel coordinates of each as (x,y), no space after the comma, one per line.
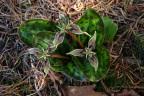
(76,39)
(58,56)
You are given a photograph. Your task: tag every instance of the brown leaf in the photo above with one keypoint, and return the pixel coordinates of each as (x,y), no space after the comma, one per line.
(81,91)
(127,93)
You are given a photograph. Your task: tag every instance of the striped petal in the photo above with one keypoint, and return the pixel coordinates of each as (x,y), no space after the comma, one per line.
(46,67)
(58,38)
(75,29)
(77,52)
(63,21)
(34,51)
(94,62)
(92,42)
(51,48)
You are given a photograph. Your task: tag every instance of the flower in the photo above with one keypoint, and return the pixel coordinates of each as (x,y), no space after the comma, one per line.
(42,55)
(88,52)
(64,26)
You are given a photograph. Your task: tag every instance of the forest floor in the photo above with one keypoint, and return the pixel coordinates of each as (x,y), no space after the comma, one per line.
(19,78)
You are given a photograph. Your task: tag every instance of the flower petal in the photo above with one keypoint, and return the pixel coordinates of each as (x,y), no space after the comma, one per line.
(33,51)
(47,67)
(51,48)
(75,29)
(92,42)
(94,62)
(58,38)
(63,21)
(77,52)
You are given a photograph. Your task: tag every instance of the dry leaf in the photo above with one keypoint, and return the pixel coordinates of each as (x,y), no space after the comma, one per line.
(127,93)
(81,91)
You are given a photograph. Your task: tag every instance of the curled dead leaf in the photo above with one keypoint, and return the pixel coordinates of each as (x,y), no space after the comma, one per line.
(125,92)
(81,91)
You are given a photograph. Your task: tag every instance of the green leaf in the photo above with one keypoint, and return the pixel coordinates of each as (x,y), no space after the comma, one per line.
(107,21)
(110,27)
(59,51)
(66,66)
(69,69)
(27,29)
(88,70)
(91,22)
(43,39)
(72,71)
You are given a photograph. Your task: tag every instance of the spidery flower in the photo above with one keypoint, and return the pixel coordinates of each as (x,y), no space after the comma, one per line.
(64,26)
(88,52)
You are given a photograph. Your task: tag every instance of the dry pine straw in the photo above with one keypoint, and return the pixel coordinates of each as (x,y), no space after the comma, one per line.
(18,75)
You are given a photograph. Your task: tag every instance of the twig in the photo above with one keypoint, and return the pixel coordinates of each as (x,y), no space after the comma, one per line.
(107,90)
(123,17)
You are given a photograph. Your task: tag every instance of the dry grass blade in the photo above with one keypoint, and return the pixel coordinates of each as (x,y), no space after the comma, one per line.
(56,83)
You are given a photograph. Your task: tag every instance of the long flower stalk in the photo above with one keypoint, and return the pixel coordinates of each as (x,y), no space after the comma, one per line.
(76,39)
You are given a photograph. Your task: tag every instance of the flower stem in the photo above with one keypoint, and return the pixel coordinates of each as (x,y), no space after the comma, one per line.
(76,39)
(58,56)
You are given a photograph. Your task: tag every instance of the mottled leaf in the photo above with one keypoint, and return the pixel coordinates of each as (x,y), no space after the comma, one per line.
(43,39)
(27,29)
(91,22)
(88,70)
(110,27)
(72,71)
(66,66)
